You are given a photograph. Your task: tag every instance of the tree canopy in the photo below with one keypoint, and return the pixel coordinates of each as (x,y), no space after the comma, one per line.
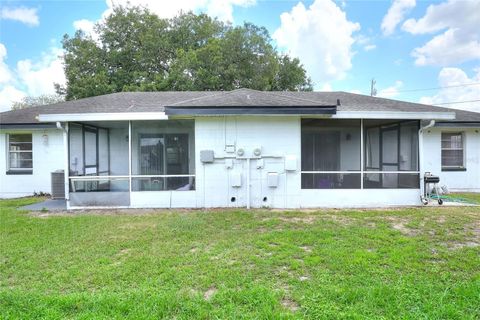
(138,51)
(41,100)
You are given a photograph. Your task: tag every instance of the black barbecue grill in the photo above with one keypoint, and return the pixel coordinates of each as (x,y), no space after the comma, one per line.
(430,184)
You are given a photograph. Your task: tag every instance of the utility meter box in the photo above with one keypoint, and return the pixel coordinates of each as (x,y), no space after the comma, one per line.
(260,163)
(291,163)
(229,163)
(230,148)
(236,179)
(272,179)
(206,156)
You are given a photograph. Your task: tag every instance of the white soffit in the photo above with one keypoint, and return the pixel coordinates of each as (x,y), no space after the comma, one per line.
(121,116)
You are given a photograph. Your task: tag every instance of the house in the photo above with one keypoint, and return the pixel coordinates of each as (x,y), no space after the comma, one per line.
(242,148)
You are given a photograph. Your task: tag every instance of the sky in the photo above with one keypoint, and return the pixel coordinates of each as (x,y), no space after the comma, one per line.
(419,51)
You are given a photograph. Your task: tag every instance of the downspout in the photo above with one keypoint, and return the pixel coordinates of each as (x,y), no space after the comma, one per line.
(420,153)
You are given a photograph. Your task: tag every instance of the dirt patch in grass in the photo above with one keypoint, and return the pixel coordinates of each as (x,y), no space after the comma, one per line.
(290,304)
(123,251)
(461,245)
(304,219)
(343,220)
(310,218)
(400,224)
(306,248)
(138,225)
(472,239)
(209,293)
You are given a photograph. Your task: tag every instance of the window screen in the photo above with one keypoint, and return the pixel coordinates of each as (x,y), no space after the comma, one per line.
(20,152)
(452,150)
(331,154)
(391,154)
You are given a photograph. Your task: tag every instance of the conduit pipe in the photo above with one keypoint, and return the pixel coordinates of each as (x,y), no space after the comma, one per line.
(248,159)
(248,183)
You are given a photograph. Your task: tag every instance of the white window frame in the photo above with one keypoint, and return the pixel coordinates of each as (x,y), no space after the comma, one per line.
(453,168)
(10,152)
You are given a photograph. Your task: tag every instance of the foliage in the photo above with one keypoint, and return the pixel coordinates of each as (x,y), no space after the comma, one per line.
(419,263)
(41,100)
(138,51)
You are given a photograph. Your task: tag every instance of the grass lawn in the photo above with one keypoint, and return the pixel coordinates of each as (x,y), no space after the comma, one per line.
(468,196)
(419,263)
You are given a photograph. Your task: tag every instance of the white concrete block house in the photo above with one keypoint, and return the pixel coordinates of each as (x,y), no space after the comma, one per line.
(242,148)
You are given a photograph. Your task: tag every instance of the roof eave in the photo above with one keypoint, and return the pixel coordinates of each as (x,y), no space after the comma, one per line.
(395,115)
(93,116)
(458,124)
(23,126)
(217,111)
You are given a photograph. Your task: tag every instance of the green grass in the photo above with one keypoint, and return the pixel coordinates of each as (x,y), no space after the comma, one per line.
(351,264)
(468,196)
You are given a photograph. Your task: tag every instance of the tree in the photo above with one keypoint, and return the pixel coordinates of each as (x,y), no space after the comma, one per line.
(41,100)
(138,51)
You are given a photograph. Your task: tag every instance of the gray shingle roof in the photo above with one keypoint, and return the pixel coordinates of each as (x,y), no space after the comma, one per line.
(157,101)
(249,98)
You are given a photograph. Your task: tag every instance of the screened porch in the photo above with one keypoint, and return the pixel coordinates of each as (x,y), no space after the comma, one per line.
(359,154)
(109,160)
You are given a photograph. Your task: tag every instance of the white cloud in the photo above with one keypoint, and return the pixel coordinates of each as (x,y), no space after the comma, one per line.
(24,15)
(321,36)
(460,40)
(38,77)
(449,77)
(87,26)
(447,48)
(32,78)
(365,42)
(391,91)
(327,87)
(8,95)
(222,9)
(395,15)
(5,73)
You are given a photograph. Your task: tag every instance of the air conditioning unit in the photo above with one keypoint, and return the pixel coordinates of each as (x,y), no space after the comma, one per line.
(58,184)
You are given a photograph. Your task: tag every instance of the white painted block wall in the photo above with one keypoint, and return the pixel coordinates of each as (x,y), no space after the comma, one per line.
(46,159)
(468,180)
(277,136)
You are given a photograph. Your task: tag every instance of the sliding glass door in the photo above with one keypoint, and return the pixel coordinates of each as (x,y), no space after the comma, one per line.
(163,155)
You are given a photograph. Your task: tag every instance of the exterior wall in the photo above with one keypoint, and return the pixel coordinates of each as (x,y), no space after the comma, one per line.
(46,159)
(468,180)
(276,136)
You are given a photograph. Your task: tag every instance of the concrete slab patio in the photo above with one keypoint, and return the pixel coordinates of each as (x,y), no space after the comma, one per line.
(49,204)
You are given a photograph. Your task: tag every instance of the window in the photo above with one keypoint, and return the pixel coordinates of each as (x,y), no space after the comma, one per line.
(163,155)
(20,153)
(452,151)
